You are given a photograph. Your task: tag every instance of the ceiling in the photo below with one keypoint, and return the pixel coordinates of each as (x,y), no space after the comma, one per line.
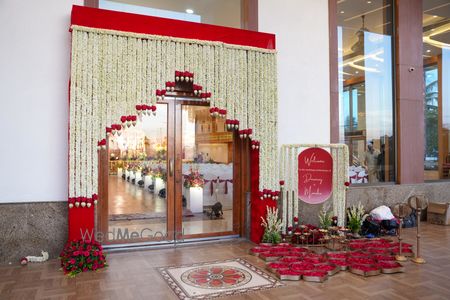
(216,12)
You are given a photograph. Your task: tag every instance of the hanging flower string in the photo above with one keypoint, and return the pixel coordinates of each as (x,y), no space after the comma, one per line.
(116,76)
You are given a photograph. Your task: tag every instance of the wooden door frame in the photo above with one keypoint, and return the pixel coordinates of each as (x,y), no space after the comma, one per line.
(238,176)
(241,179)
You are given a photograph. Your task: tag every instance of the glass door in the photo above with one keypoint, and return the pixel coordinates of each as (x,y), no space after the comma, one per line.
(205,203)
(170,177)
(139,188)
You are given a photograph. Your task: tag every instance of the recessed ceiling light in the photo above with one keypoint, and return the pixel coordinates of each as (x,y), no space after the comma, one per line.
(342,11)
(435,16)
(428,51)
(189,11)
(368,2)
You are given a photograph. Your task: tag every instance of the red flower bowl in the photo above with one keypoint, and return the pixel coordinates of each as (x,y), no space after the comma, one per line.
(360,261)
(289,259)
(278,265)
(337,255)
(302,266)
(315,276)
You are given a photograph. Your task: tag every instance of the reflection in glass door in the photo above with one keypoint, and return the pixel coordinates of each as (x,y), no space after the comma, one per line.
(137,180)
(207,167)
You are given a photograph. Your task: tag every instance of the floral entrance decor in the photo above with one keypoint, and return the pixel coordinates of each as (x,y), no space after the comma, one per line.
(120,71)
(365,257)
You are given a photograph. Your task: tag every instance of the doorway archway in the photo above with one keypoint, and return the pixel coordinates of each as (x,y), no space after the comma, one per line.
(179,173)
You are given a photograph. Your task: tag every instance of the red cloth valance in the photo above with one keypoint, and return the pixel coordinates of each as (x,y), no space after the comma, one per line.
(108,19)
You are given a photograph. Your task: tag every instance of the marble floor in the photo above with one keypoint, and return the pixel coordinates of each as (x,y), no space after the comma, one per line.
(133,275)
(136,209)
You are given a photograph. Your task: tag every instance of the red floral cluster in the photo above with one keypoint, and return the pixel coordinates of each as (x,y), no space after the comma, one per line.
(184,75)
(82,256)
(217,112)
(269,194)
(315,274)
(101,144)
(145,109)
(205,96)
(128,121)
(244,133)
(232,124)
(170,87)
(287,259)
(365,268)
(197,89)
(115,128)
(255,144)
(82,201)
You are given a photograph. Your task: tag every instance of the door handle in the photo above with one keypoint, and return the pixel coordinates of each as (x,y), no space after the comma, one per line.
(171,167)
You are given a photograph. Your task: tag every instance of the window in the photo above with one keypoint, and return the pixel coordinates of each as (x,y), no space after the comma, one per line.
(366,102)
(436,60)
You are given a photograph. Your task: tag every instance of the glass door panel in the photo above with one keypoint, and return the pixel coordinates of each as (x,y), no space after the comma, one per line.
(137,180)
(207,168)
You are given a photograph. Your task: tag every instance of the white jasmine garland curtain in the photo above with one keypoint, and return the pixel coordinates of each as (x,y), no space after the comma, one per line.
(113,71)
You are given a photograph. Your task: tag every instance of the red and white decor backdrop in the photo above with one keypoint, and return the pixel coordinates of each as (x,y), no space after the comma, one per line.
(122,61)
(314,173)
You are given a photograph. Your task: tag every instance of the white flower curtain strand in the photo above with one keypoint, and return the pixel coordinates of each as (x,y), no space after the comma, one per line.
(113,71)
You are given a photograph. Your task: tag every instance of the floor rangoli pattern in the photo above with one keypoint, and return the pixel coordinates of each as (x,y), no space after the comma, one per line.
(217,279)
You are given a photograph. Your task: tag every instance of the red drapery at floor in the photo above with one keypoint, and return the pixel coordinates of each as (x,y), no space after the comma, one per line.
(81,221)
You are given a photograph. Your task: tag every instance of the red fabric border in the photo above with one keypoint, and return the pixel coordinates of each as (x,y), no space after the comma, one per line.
(258,206)
(108,19)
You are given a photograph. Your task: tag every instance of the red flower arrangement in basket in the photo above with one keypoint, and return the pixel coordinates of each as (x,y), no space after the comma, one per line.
(82,256)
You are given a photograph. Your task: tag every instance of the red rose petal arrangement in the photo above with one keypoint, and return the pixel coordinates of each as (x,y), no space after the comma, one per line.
(82,256)
(291,262)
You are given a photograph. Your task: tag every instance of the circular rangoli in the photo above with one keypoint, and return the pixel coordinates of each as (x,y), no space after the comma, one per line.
(216,277)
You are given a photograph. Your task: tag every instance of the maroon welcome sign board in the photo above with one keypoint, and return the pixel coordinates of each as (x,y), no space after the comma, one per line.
(315,175)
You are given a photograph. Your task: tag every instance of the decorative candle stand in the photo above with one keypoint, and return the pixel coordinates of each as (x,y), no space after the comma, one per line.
(401,211)
(418,203)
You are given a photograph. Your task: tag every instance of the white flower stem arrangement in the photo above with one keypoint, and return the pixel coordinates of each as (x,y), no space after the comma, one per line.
(325,218)
(272,225)
(356,216)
